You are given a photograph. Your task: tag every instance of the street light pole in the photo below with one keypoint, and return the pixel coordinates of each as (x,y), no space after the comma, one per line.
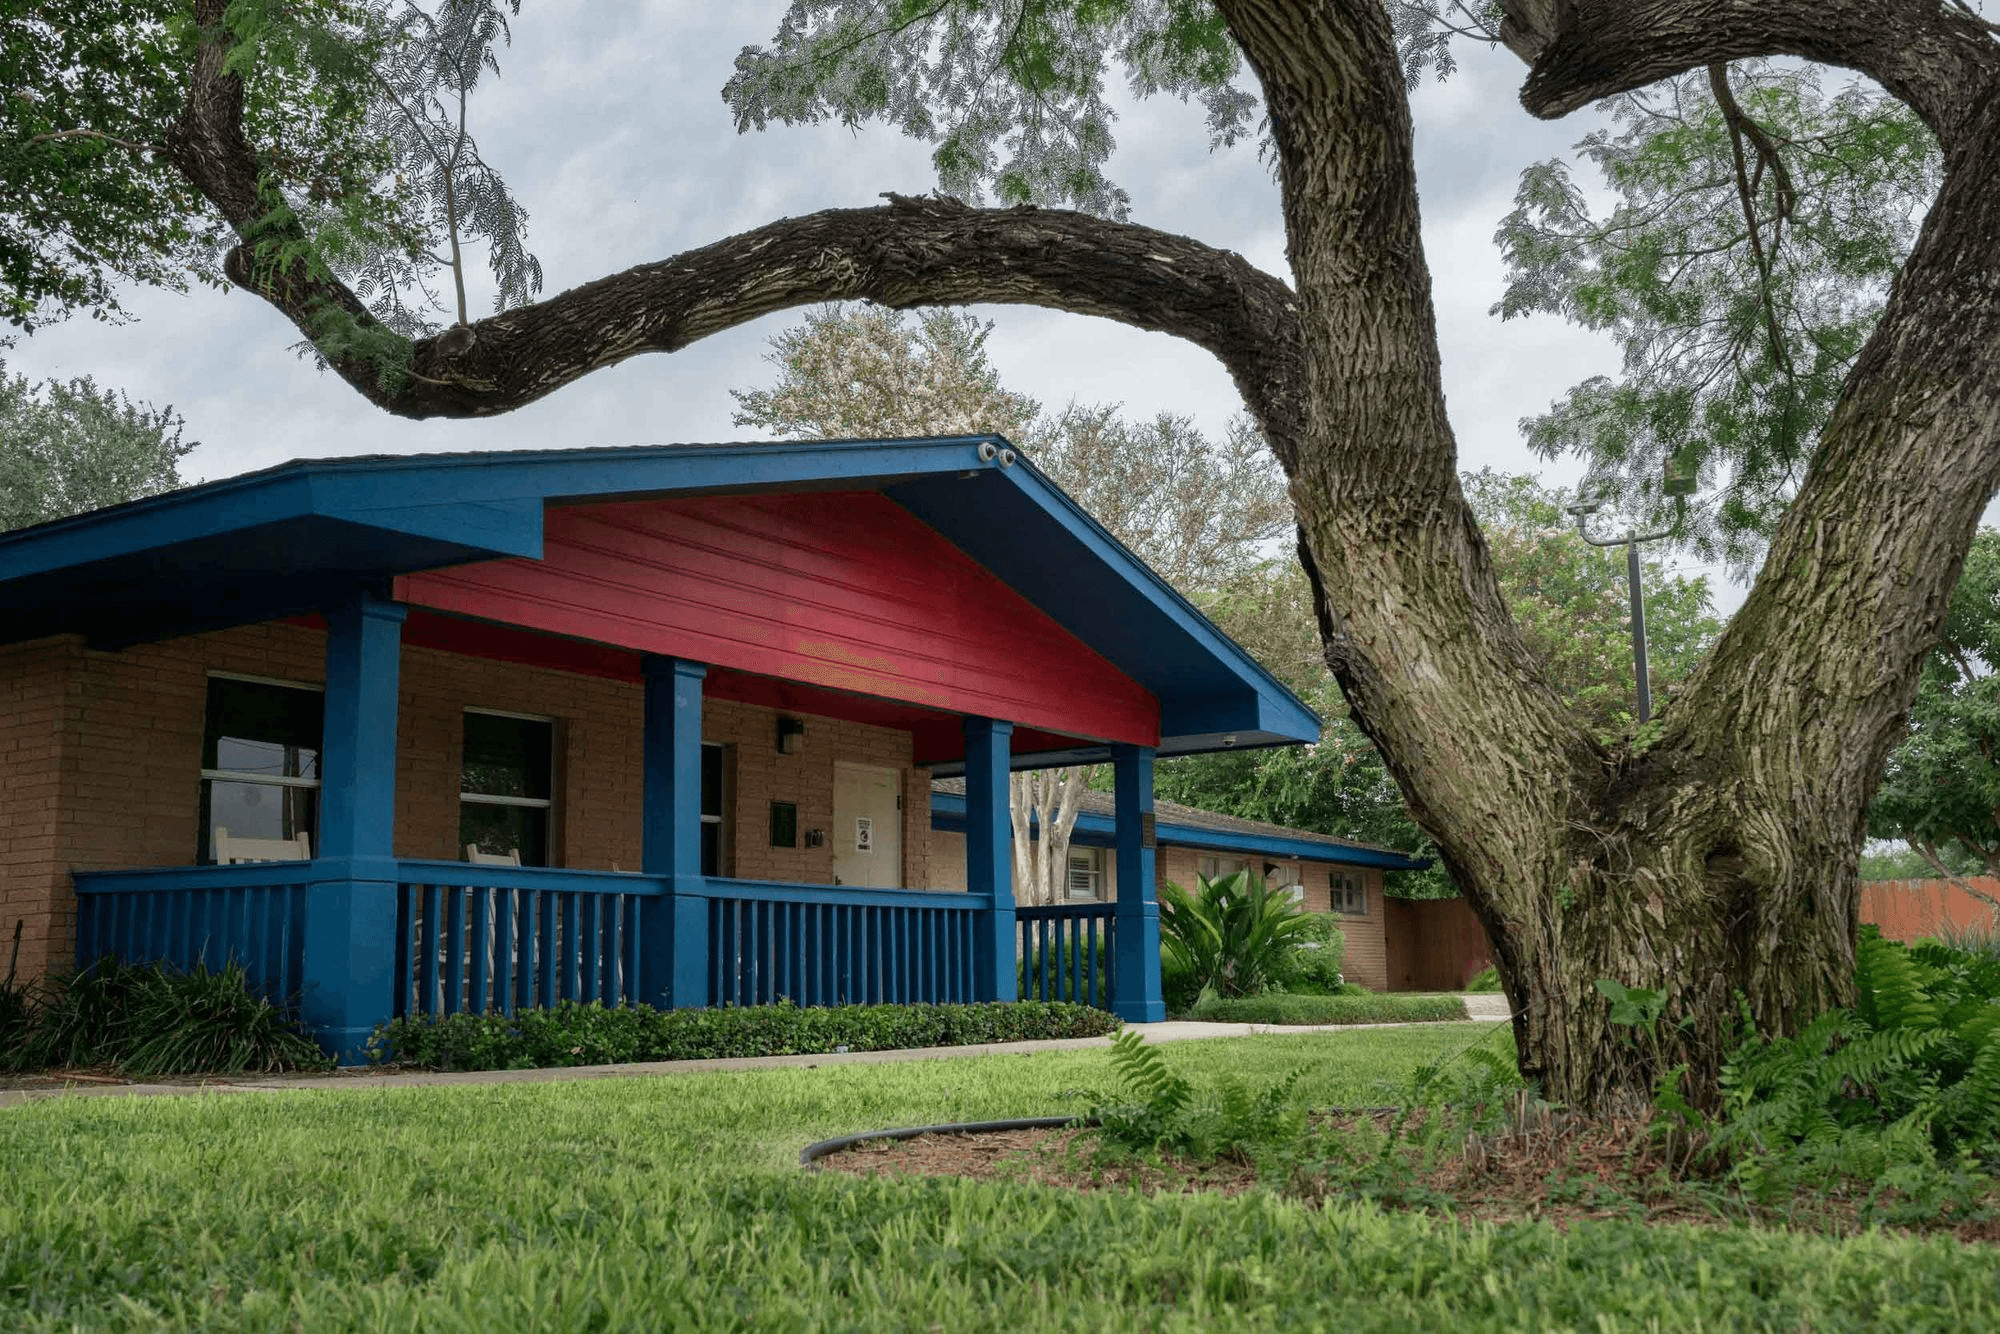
(1630,542)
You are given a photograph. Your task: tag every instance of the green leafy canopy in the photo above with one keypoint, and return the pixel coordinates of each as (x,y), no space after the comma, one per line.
(1940,791)
(1739,283)
(1011,92)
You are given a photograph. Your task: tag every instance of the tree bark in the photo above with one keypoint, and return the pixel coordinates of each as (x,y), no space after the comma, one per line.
(1050,799)
(1714,853)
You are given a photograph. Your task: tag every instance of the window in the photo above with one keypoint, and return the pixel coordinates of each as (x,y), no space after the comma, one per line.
(784,824)
(1214,868)
(1349,893)
(506,785)
(260,761)
(1285,879)
(711,810)
(1086,873)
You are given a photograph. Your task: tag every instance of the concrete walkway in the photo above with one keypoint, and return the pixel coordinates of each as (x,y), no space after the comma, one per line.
(1483,1009)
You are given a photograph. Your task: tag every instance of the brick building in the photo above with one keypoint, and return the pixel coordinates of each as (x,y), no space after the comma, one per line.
(420,734)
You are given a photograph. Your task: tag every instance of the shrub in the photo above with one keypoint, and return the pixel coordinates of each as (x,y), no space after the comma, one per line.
(1233,934)
(1341,1009)
(1486,979)
(1058,958)
(590,1034)
(1312,968)
(1178,987)
(13,1007)
(153,1019)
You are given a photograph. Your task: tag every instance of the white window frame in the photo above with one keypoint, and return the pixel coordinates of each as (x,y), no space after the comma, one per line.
(1339,883)
(1216,860)
(1093,871)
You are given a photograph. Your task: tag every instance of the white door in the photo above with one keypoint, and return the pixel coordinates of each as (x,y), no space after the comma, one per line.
(867,827)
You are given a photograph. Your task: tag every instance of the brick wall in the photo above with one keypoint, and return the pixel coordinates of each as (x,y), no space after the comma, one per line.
(34,688)
(100,762)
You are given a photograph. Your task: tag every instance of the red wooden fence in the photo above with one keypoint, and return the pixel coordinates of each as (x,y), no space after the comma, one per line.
(1437,944)
(1909,909)
(1433,944)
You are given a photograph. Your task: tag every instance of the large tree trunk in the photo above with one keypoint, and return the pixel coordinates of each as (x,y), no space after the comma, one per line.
(1714,854)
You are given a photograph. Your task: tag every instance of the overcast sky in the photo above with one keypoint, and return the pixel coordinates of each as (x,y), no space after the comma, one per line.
(609,126)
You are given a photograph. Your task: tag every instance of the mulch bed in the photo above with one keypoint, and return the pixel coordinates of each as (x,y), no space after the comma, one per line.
(1562,1171)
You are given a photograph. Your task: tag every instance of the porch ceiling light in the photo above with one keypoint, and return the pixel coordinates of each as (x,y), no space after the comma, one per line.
(791,735)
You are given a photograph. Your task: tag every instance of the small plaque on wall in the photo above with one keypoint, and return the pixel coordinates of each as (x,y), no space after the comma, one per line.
(784,824)
(1146,839)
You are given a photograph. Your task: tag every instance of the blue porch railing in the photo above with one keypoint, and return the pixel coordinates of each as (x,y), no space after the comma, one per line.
(838,946)
(478,938)
(252,915)
(1065,952)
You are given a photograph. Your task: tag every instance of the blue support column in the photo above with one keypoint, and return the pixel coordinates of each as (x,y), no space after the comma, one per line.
(673,965)
(350,917)
(1135,961)
(989,856)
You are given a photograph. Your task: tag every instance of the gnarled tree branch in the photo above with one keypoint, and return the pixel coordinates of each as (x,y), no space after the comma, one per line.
(911,252)
(1939,59)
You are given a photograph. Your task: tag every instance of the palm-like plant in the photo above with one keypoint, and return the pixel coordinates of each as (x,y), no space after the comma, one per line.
(1233,933)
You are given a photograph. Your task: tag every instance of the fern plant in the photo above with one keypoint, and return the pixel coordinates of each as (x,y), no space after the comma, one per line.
(1157,1110)
(1902,1092)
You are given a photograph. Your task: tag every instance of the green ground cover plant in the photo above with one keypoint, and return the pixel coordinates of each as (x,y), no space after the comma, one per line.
(1362,1008)
(575,1034)
(1312,968)
(676,1203)
(1485,980)
(151,1019)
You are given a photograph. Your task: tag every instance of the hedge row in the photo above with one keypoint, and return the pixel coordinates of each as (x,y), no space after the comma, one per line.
(574,1034)
(1368,1008)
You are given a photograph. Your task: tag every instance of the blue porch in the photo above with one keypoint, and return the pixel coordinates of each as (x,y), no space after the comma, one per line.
(360,936)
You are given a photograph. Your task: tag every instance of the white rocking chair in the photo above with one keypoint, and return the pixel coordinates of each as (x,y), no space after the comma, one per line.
(478,858)
(232,851)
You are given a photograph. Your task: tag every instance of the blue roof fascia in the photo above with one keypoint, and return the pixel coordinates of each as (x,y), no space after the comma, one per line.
(490,504)
(1247,699)
(948,814)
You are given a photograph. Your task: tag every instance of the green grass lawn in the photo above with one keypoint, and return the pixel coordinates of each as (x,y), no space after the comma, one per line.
(673,1203)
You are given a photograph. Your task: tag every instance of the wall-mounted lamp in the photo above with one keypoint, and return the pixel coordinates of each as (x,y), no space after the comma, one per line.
(791,735)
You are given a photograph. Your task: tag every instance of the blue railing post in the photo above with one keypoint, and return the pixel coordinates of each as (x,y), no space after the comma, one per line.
(989,855)
(350,916)
(1135,944)
(673,967)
